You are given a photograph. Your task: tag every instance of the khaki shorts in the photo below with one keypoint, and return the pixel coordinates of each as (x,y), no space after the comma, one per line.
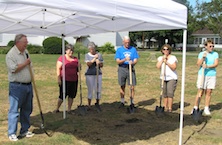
(123,75)
(169,88)
(209,82)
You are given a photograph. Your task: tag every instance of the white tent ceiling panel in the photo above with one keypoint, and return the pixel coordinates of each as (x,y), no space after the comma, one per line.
(76,18)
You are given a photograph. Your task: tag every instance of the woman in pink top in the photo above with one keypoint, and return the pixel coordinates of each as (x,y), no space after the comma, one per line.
(71,77)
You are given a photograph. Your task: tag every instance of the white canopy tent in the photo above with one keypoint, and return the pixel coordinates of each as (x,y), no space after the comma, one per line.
(83,17)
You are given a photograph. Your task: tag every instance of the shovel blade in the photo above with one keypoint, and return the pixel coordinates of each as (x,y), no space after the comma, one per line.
(98,108)
(159,109)
(131,109)
(197,115)
(82,110)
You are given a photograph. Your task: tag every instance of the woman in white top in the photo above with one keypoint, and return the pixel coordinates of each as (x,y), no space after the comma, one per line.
(168,64)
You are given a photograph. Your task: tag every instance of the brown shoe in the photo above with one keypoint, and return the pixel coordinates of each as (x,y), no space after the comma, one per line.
(71,112)
(56,111)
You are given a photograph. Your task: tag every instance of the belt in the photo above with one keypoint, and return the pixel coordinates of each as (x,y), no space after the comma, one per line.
(124,66)
(22,83)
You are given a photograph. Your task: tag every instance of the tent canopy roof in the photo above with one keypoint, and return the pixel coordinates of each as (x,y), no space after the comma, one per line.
(83,17)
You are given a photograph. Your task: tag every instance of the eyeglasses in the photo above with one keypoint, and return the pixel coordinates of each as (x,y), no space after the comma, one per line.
(166,49)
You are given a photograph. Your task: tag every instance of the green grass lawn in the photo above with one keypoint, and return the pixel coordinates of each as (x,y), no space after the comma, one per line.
(100,128)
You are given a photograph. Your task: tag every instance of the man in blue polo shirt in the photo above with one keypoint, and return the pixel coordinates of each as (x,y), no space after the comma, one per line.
(124,55)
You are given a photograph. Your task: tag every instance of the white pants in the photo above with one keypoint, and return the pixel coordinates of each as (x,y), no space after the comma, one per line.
(91,82)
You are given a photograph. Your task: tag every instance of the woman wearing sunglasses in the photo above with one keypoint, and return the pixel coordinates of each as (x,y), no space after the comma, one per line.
(167,65)
(207,62)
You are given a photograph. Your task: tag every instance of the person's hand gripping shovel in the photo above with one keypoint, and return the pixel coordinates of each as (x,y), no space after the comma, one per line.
(160,109)
(81,108)
(98,108)
(131,108)
(197,113)
(38,101)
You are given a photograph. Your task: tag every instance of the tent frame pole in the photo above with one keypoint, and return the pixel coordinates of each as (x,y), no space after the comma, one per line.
(182,85)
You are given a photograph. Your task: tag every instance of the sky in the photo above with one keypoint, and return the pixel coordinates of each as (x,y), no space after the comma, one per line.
(193,2)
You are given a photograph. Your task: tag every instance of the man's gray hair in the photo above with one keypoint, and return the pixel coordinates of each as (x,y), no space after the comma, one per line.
(18,37)
(126,38)
(91,45)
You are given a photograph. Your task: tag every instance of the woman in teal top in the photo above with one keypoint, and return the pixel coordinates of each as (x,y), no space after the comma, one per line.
(207,60)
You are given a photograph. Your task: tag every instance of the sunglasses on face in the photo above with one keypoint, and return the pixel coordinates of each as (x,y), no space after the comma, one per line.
(165,49)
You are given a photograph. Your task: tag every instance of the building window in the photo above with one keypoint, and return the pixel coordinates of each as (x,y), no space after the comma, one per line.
(199,40)
(1,38)
(220,41)
(196,41)
(216,41)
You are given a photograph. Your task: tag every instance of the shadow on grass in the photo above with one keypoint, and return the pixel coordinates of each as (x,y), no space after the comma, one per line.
(218,106)
(113,125)
(177,105)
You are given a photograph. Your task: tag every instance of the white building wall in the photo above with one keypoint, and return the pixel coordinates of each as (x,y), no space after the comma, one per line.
(115,38)
(5,38)
(32,39)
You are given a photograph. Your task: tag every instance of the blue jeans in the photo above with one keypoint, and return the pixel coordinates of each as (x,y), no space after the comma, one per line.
(20,99)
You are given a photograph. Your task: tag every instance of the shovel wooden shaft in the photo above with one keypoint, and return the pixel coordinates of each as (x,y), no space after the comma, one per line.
(80,80)
(162,82)
(35,89)
(97,81)
(130,74)
(201,83)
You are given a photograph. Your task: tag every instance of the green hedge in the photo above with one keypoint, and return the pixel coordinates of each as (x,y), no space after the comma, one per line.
(107,48)
(53,45)
(80,48)
(4,50)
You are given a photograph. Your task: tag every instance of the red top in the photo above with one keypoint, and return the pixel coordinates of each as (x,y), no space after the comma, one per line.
(71,69)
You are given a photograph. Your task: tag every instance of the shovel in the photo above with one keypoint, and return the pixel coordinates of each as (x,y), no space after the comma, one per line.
(160,109)
(81,108)
(197,113)
(97,89)
(131,108)
(38,101)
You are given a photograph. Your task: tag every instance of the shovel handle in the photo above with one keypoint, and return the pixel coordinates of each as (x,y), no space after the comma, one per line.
(202,82)
(80,80)
(130,74)
(97,81)
(35,89)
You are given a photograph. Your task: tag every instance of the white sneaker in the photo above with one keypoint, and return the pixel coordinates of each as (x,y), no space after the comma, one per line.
(27,134)
(207,111)
(13,137)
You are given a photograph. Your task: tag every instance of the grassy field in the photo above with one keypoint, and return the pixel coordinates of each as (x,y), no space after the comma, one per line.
(115,126)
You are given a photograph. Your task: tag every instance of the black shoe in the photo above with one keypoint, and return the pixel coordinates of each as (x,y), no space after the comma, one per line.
(121,105)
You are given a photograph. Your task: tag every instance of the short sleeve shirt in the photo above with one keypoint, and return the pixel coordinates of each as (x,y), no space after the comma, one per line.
(123,52)
(71,69)
(210,58)
(91,70)
(169,73)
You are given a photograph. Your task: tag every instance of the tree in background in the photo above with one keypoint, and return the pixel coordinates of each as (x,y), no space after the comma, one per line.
(209,15)
(203,15)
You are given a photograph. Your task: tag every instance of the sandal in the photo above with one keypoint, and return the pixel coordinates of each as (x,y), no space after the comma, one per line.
(71,112)
(56,111)
(169,110)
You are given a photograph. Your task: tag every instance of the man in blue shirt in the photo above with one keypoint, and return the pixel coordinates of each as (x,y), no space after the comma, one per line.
(124,55)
